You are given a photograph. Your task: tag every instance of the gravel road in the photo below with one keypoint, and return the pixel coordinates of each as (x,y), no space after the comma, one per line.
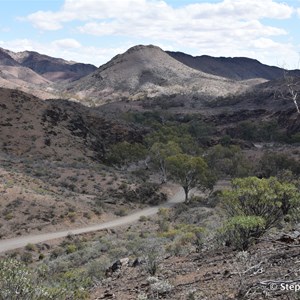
(19,242)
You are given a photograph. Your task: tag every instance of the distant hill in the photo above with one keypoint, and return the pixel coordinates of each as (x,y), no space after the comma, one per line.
(15,76)
(141,72)
(148,71)
(53,69)
(38,74)
(6,59)
(237,68)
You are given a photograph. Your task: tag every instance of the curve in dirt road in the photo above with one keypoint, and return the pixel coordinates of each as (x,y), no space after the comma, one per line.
(19,242)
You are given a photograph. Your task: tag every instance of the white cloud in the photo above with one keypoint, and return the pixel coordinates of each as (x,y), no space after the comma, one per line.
(4,29)
(242,9)
(228,27)
(66,44)
(45,20)
(142,12)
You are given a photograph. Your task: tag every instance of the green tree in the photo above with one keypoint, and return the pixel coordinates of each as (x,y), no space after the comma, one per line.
(159,153)
(177,133)
(190,171)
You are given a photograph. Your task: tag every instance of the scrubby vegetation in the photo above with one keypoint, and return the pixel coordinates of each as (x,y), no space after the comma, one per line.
(254,206)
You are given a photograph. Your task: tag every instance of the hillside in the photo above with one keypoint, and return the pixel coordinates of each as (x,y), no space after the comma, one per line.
(237,68)
(6,59)
(38,74)
(58,130)
(53,69)
(51,164)
(147,71)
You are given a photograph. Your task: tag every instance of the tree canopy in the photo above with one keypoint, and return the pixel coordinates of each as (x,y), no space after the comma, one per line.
(190,171)
(159,153)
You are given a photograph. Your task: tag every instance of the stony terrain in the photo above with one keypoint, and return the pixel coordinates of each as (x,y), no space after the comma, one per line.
(217,275)
(58,130)
(51,167)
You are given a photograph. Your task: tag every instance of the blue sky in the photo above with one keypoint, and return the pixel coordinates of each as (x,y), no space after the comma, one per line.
(93,31)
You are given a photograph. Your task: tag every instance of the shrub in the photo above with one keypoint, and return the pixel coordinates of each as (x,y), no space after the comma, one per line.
(96,269)
(161,287)
(71,248)
(257,131)
(255,205)
(121,212)
(147,193)
(228,161)
(142,296)
(26,257)
(143,219)
(184,235)
(153,251)
(18,282)
(242,231)
(266,198)
(30,247)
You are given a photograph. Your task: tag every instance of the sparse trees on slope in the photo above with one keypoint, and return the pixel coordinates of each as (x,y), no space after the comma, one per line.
(124,153)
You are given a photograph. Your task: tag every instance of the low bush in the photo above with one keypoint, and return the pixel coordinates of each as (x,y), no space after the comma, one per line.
(241,231)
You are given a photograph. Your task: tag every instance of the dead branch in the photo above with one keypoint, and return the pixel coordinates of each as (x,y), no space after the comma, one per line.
(289,89)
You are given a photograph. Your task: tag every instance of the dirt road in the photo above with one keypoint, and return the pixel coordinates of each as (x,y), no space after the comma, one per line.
(14,243)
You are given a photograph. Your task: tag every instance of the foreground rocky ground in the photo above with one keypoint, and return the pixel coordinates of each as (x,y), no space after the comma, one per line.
(269,270)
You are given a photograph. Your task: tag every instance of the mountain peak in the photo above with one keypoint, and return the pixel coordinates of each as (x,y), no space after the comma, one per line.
(6,59)
(143,47)
(148,71)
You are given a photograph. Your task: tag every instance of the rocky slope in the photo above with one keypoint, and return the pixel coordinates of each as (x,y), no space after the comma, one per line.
(214,274)
(6,59)
(147,71)
(51,170)
(38,74)
(58,130)
(15,76)
(53,69)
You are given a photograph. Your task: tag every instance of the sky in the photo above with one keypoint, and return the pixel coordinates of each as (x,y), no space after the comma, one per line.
(94,31)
